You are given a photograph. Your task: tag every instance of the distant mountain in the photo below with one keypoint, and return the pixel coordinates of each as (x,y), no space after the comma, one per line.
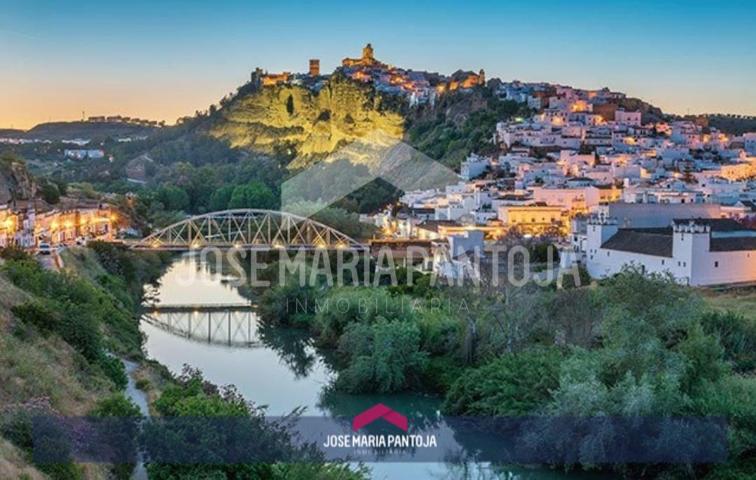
(732,124)
(56,131)
(11,133)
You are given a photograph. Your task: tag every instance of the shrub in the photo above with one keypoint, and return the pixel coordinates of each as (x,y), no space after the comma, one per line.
(383,357)
(14,253)
(568,280)
(247,433)
(44,439)
(289,305)
(143,384)
(441,332)
(119,428)
(514,384)
(113,368)
(344,306)
(737,335)
(77,327)
(41,316)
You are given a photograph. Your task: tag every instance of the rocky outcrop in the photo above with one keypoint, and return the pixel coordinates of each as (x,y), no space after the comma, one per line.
(16,183)
(312,124)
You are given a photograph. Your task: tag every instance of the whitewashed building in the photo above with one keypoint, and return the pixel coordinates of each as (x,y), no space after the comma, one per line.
(696,252)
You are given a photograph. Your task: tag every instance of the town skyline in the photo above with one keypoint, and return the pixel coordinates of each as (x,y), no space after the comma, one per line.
(691,61)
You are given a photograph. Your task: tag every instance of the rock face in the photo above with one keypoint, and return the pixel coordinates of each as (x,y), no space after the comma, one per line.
(312,124)
(15,181)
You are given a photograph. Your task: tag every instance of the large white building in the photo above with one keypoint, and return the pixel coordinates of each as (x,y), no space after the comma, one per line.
(627,118)
(695,252)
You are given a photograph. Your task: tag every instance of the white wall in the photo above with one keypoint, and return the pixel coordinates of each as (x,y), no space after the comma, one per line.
(627,118)
(692,262)
(605,263)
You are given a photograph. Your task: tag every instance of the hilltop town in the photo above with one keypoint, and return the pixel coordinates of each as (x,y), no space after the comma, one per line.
(416,86)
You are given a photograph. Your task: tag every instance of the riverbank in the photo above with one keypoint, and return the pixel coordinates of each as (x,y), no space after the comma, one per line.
(59,332)
(97,368)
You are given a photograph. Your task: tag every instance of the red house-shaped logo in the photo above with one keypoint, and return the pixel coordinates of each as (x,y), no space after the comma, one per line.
(376,412)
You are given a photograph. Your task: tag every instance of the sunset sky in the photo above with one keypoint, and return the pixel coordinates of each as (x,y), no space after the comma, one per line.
(162,60)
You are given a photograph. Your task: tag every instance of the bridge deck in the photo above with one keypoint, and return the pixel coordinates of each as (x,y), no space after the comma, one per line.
(204,307)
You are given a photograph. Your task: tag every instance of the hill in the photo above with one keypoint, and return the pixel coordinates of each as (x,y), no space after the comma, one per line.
(308,125)
(11,133)
(732,124)
(56,131)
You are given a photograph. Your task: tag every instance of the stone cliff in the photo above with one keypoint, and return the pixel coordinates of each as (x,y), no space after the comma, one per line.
(310,124)
(15,181)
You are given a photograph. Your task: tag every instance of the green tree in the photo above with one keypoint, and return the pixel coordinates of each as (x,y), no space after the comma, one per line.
(220,198)
(174,198)
(50,193)
(383,357)
(514,384)
(737,335)
(253,195)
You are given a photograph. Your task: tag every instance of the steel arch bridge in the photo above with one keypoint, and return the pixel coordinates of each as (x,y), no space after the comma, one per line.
(248,229)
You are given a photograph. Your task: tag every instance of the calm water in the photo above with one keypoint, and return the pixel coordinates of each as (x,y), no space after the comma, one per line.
(275,367)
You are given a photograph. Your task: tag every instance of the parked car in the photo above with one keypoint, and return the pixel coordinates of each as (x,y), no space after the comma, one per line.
(44,249)
(82,241)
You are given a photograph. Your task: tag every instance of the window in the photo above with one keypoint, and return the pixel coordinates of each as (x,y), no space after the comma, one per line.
(716,264)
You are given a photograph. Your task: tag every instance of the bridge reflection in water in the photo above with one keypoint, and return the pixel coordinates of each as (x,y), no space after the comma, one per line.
(230,327)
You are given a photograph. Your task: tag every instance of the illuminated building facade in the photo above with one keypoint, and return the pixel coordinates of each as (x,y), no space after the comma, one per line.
(9,224)
(62,227)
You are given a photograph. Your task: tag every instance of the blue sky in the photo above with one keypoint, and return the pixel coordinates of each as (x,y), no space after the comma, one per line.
(166,59)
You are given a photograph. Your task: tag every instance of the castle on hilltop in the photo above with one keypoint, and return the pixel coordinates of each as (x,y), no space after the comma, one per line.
(367,59)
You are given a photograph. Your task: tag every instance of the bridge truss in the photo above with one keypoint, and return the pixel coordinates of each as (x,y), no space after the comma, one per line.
(248,229)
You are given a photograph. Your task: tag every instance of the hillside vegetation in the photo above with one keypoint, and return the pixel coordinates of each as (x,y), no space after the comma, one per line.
(59,333)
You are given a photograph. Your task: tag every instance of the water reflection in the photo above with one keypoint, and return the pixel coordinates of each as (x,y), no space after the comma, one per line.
(294,348)
(232,328)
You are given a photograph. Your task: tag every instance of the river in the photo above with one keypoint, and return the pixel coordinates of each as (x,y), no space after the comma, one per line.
(208,328)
